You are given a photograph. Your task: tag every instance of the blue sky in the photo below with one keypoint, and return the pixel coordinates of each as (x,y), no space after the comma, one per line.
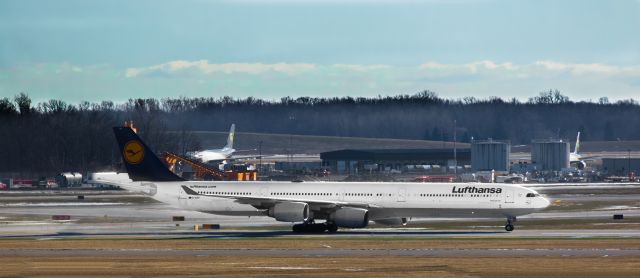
(91,50)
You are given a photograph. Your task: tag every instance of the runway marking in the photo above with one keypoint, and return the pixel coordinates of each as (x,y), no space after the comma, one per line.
(64,204)
(284,267)
(593,233)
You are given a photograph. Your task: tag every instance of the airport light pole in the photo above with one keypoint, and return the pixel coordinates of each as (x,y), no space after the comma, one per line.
(455,150)
(629,163)
(260,155)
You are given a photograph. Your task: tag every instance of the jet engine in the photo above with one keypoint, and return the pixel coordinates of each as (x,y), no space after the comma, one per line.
(350,217)
(393,221)
(582,165)
(290,212)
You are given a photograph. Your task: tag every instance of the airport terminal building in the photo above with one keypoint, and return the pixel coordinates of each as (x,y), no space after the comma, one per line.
(354,161)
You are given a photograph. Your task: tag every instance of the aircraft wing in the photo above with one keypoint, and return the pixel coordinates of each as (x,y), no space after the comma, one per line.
(590,158)
(264,201)
(244,157)
(234,158)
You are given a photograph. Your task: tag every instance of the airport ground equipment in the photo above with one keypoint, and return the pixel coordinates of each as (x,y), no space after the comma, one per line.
(204,171)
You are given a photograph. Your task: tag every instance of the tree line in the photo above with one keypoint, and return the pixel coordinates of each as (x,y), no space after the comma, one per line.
(54,136)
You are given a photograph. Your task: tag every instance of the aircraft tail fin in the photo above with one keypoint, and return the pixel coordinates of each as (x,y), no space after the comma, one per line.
(577,147)
(142,164)
(232,132)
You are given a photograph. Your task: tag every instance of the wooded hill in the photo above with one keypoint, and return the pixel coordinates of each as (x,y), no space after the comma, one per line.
(54,136)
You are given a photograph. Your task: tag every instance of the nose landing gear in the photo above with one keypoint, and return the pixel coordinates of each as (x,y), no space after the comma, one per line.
(509,227)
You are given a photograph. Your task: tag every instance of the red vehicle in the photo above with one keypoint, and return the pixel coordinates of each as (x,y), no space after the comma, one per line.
(3,186)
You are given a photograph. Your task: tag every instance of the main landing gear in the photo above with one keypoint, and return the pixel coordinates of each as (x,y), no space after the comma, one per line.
(312,227)
(509,227)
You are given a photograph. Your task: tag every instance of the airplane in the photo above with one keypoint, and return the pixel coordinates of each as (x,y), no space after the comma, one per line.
(575,158)
(223,154)
(339,204)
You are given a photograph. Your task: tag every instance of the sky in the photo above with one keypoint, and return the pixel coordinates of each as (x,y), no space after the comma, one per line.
(77,50)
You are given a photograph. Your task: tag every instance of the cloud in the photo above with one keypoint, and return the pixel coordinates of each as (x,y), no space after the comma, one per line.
(472,68)
(540,69)
(483,78)
(589,69)
(543,68)
(360,68)
(203,67)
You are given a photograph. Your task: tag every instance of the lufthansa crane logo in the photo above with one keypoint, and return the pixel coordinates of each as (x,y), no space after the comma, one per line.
(133,152)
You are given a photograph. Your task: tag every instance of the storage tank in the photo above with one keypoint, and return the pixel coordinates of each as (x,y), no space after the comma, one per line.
(490,155)
(550,155)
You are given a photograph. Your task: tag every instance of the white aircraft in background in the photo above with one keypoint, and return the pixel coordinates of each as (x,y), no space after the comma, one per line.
(217,154)
(339,204)
(575,158)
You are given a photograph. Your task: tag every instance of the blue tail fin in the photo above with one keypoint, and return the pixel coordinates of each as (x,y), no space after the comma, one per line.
(142,164)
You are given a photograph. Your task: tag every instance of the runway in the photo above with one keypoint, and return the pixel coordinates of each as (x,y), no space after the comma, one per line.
(120,214)
(132,235)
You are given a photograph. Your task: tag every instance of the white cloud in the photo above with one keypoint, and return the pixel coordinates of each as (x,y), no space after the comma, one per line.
(360,68)
(473,67)
(200,78)
(589,69)
(182,67)
(543,68)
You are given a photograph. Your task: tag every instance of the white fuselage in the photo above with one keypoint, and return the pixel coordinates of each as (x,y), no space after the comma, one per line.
(575,157)
(383,200)
(213,155)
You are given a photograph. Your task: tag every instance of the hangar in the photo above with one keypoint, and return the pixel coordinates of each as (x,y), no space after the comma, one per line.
(352,161)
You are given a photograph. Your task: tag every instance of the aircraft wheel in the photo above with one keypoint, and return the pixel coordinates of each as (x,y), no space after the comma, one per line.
(309,228)
(332,227)
(509,227)
(298,228)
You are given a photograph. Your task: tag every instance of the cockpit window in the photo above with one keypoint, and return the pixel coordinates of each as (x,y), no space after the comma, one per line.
(529,195)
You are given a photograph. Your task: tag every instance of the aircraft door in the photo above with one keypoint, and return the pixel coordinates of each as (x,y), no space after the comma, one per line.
(508,196)
(182,198)
(402,195)
(264,191)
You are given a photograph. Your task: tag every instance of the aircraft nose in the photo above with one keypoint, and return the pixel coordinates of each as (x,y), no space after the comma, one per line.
(542,203)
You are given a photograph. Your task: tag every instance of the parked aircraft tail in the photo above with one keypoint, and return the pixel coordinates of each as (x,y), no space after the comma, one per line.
(577,147)
(142,164)
(232,131)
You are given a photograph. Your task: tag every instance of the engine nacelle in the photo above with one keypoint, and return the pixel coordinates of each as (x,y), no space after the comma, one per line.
(581,165)
(393,221)
(350,217)
(290,212)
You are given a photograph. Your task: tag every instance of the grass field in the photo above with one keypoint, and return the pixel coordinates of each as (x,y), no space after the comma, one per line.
(313,243)
(317,267)
(384,266)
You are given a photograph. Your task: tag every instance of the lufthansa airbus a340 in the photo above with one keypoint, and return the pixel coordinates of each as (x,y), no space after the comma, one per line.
(337,204)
